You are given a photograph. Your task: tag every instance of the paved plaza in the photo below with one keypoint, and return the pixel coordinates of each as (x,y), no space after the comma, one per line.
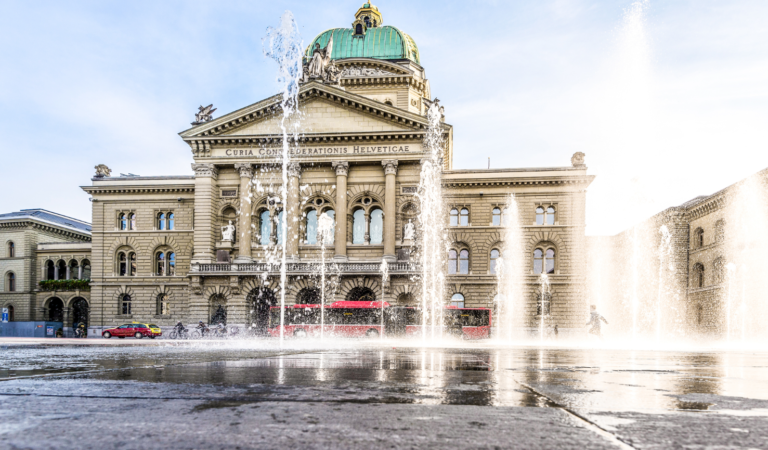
(350,394)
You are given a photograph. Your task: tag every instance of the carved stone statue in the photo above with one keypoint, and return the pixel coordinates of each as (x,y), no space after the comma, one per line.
(435,102)
(321,57)
(333,74)
(228,232)
(102,171)
(577,160)
(205,114)
(409,231)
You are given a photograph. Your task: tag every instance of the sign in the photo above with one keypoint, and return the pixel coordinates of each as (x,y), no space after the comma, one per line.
(5,315)
(309,152)
(49,330)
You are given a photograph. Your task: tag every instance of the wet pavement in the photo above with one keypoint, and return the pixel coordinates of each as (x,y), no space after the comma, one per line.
(349,395)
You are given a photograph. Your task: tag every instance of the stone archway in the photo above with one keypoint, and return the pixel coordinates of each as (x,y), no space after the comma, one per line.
(361,294)
(260,300)
(79,312)
(55,310)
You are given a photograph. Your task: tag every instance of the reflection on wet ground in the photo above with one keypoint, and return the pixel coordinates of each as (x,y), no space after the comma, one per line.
(580,379)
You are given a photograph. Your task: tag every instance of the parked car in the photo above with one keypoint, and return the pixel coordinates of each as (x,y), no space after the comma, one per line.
(137,330)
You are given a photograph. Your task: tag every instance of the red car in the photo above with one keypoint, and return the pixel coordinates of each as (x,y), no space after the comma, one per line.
(137,330)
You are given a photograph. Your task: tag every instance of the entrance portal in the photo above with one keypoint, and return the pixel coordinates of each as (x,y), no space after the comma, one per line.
(260,300)
(55,310)
(79,312)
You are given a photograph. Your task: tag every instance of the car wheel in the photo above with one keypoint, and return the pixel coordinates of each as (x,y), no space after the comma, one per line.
(138,335)
(300,333)
(107,335)
(372,333)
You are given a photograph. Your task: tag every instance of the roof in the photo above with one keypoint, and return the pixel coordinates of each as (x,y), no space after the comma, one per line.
(49,217)
(385,42)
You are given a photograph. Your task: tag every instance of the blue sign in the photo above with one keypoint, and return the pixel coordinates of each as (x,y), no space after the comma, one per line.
(5,315)
(49,330)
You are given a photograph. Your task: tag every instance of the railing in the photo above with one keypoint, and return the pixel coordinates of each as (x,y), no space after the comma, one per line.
(306,268)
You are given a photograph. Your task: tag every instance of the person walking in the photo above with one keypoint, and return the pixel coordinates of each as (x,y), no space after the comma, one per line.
(594,321)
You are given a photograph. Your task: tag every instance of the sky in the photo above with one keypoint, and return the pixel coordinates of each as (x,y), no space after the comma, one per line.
(667,99)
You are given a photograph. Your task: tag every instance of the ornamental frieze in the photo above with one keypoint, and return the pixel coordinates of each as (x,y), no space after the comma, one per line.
(308,152)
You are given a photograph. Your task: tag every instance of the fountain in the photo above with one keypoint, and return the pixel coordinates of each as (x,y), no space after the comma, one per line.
(325,229)
(284,46)
(509,266)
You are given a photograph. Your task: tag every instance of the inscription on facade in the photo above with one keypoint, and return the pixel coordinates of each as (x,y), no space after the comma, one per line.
(274,152)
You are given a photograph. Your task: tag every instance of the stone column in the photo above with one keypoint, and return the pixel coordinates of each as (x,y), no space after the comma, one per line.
(390,203)
(292,215)
(80,272)
(244,231)
(206,176)
(340,239)
(69,275)
(55,271)
(367,235)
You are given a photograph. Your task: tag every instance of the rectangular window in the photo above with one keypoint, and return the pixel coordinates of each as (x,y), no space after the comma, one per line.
(126,307)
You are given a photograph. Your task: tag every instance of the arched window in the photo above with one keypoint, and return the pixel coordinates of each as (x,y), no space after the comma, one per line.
(698,238)
(698,276)
(280,220)
(161,221)
(361,294)
(86,265)
(50,270)
(543,260)
(495,254)
(550,215)
(74,270)
(11,250)
(377,226)
(11,282)
(464,262)
(358,227)
(162,305)
(720,231)
(122,264)
(496,217)
(171,221)
(132,222)
(464,217)
(539,215)
(453,260)
(265,227)
(171,257)
(125,304)
(719,270)
(122,222)
(358,29)
(160,263)
(311,237)
(457,300)
(454,217)
(62,268)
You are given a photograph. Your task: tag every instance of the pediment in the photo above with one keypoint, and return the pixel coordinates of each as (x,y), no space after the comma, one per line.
(325,109)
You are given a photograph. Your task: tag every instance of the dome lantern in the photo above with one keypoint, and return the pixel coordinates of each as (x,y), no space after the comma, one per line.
(368,16)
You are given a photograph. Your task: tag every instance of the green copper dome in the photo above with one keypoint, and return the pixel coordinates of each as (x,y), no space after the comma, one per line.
(381,42)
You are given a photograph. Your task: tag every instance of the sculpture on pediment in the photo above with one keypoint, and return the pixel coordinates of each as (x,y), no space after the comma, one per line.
(228,232)
(321,67)
(577,160)
(204,114)
(102,171)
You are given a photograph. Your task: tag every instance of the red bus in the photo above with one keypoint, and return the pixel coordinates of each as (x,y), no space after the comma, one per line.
(363,318)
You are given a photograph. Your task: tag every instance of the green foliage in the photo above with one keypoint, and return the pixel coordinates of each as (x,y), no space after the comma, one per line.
(65,285)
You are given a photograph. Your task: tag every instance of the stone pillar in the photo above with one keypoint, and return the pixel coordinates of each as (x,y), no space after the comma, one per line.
(340,239)
(69,275)
(80,272)
(244,231)
(56,272)
(292,215)
(390,203)
(206,176)
(367,235)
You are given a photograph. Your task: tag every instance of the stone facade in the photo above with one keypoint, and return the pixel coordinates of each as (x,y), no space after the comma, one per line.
(359,155)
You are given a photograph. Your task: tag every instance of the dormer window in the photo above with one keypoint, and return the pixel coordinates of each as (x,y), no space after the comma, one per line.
(358,30)
(367,21)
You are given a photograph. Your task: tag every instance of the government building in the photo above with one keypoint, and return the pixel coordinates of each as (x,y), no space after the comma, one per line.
(205,246)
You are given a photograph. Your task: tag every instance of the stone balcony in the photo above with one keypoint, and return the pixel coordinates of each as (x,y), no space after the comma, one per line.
(305,268)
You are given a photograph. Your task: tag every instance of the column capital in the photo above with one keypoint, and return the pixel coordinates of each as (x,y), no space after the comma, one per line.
(294,170)
(390,166)
(206,170)
(342,168)
(246,170)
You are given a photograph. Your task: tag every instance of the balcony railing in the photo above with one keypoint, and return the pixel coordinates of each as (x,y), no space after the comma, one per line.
(65,285)
(298,268)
